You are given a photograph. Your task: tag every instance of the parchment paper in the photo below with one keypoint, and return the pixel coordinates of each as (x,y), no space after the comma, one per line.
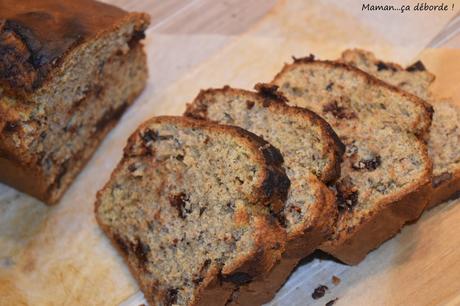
(58,256)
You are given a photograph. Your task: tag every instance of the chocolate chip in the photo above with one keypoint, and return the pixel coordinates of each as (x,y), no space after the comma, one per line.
(180,157)
(124,247)
(329,86)
(338,111)
(295,208)
(141,251)
(198,280)
(347,194)
(152,136)
(369,164)
(202,209)
(205,265)
(132,167)
(250,104)
(417,66)
(306,59)
(319,292)
(178,201)
(439,179)
(281,219)
(346,201)
(383,66)
(238,278)
(231,206)
(11,126)
(270,92)
(332,302)
(171,296)
(135,38)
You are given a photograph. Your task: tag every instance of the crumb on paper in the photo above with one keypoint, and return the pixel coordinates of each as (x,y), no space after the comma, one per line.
(335,280)
(332,302)
(319,292)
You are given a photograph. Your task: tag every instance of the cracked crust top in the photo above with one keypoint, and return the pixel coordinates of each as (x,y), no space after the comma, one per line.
(35,35)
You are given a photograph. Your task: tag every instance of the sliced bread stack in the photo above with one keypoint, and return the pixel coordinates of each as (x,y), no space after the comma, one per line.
(386,174)
(444,139)
(192,208)
(312,155)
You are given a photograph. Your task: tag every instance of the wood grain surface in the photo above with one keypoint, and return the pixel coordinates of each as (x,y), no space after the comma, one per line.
(58,256)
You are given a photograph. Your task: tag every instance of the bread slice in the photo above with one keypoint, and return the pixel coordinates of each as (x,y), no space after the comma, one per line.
(188,207)
(386,173)
(312,154)
(68,70)
(444,140)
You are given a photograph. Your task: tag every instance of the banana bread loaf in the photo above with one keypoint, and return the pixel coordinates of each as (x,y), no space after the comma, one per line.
(444,140)
(312,154)
(189,207)
(386,173)
(68,70)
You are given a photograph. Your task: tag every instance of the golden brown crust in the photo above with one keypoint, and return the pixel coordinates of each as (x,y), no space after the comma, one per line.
(353,247)
(421,127)
(264,287)
(35,35)
(445,190)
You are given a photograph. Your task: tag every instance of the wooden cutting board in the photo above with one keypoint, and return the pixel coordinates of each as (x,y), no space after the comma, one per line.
(58,255)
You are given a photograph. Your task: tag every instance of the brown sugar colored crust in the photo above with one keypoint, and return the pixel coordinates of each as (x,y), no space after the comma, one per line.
(312,153)
(68,71)
(378,227)
(386,172)
(194,249)
(36,35)
(444,137)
